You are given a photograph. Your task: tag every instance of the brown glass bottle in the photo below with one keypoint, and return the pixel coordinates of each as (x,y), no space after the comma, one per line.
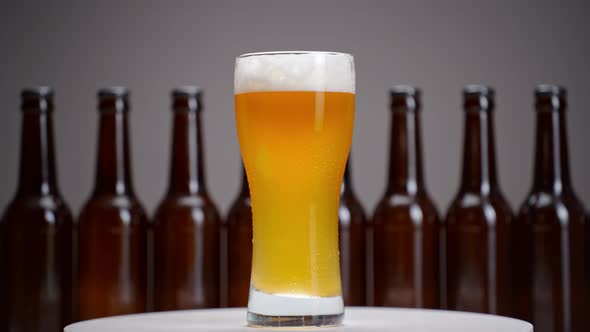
(239,247)
(405,222)
(113,226)
(552,284)
(37,235)
(479,220)
(186,223)
(352,222)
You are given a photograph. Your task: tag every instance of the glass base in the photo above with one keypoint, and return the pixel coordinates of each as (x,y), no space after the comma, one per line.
(256,320)
(287,310)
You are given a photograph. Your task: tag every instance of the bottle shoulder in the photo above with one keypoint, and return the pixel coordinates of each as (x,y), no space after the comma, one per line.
(240,211)
(546,199)
(475,208)
(350,210)
(406,209)
(403,202)
(475,200)
(549,207)
(186,209)
(187,201)
(113,208)
(38,209)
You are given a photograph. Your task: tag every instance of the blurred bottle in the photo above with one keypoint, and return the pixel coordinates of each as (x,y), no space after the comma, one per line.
(37,235)
(186,223)
(239,247)
(113,226)
(405,222)
(352,234)
(479,220)
(552,283)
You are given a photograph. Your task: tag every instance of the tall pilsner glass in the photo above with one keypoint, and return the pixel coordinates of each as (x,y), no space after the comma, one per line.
(294,114)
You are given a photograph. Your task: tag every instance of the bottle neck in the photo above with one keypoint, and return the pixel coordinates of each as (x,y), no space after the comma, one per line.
(37,160)
(551,172)
(347,179)
(245,191)
(479,153)
(113,169)
(187,175)
(405,154)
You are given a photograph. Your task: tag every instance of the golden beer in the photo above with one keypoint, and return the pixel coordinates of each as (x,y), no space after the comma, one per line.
(295,151)
(295,136)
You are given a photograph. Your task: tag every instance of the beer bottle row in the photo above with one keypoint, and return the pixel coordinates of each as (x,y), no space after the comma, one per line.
(112,261)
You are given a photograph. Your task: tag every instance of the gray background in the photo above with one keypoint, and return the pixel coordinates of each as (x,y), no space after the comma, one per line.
(80,46)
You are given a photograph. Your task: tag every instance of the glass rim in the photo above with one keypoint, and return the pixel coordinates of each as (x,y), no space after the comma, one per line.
(247,55)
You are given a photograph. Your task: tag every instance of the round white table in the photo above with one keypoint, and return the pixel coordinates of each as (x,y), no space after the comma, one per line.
(356,319)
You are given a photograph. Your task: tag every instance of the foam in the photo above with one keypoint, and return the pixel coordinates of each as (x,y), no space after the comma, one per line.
(294,71)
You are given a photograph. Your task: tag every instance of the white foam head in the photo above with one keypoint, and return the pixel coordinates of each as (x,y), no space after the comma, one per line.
(294,71)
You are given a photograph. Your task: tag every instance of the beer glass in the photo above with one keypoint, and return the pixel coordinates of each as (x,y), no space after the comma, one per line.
(294,114)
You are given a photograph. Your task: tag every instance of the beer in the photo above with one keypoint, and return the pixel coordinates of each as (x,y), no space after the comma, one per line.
(552,283)
(478,222)
(294,114)
(239,247)
(186,223)
(294,169)
(113,226)
(352,233)
(405,222)
(37,235)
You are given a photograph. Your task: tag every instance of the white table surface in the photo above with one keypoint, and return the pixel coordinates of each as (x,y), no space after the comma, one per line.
(356,320)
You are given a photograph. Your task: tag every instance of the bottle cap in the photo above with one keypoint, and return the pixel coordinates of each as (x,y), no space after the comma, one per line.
(38,98)
(113,92)
(550,97)
(477,97)
(405,98)
(187,98)
(114,98)
(187,91)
